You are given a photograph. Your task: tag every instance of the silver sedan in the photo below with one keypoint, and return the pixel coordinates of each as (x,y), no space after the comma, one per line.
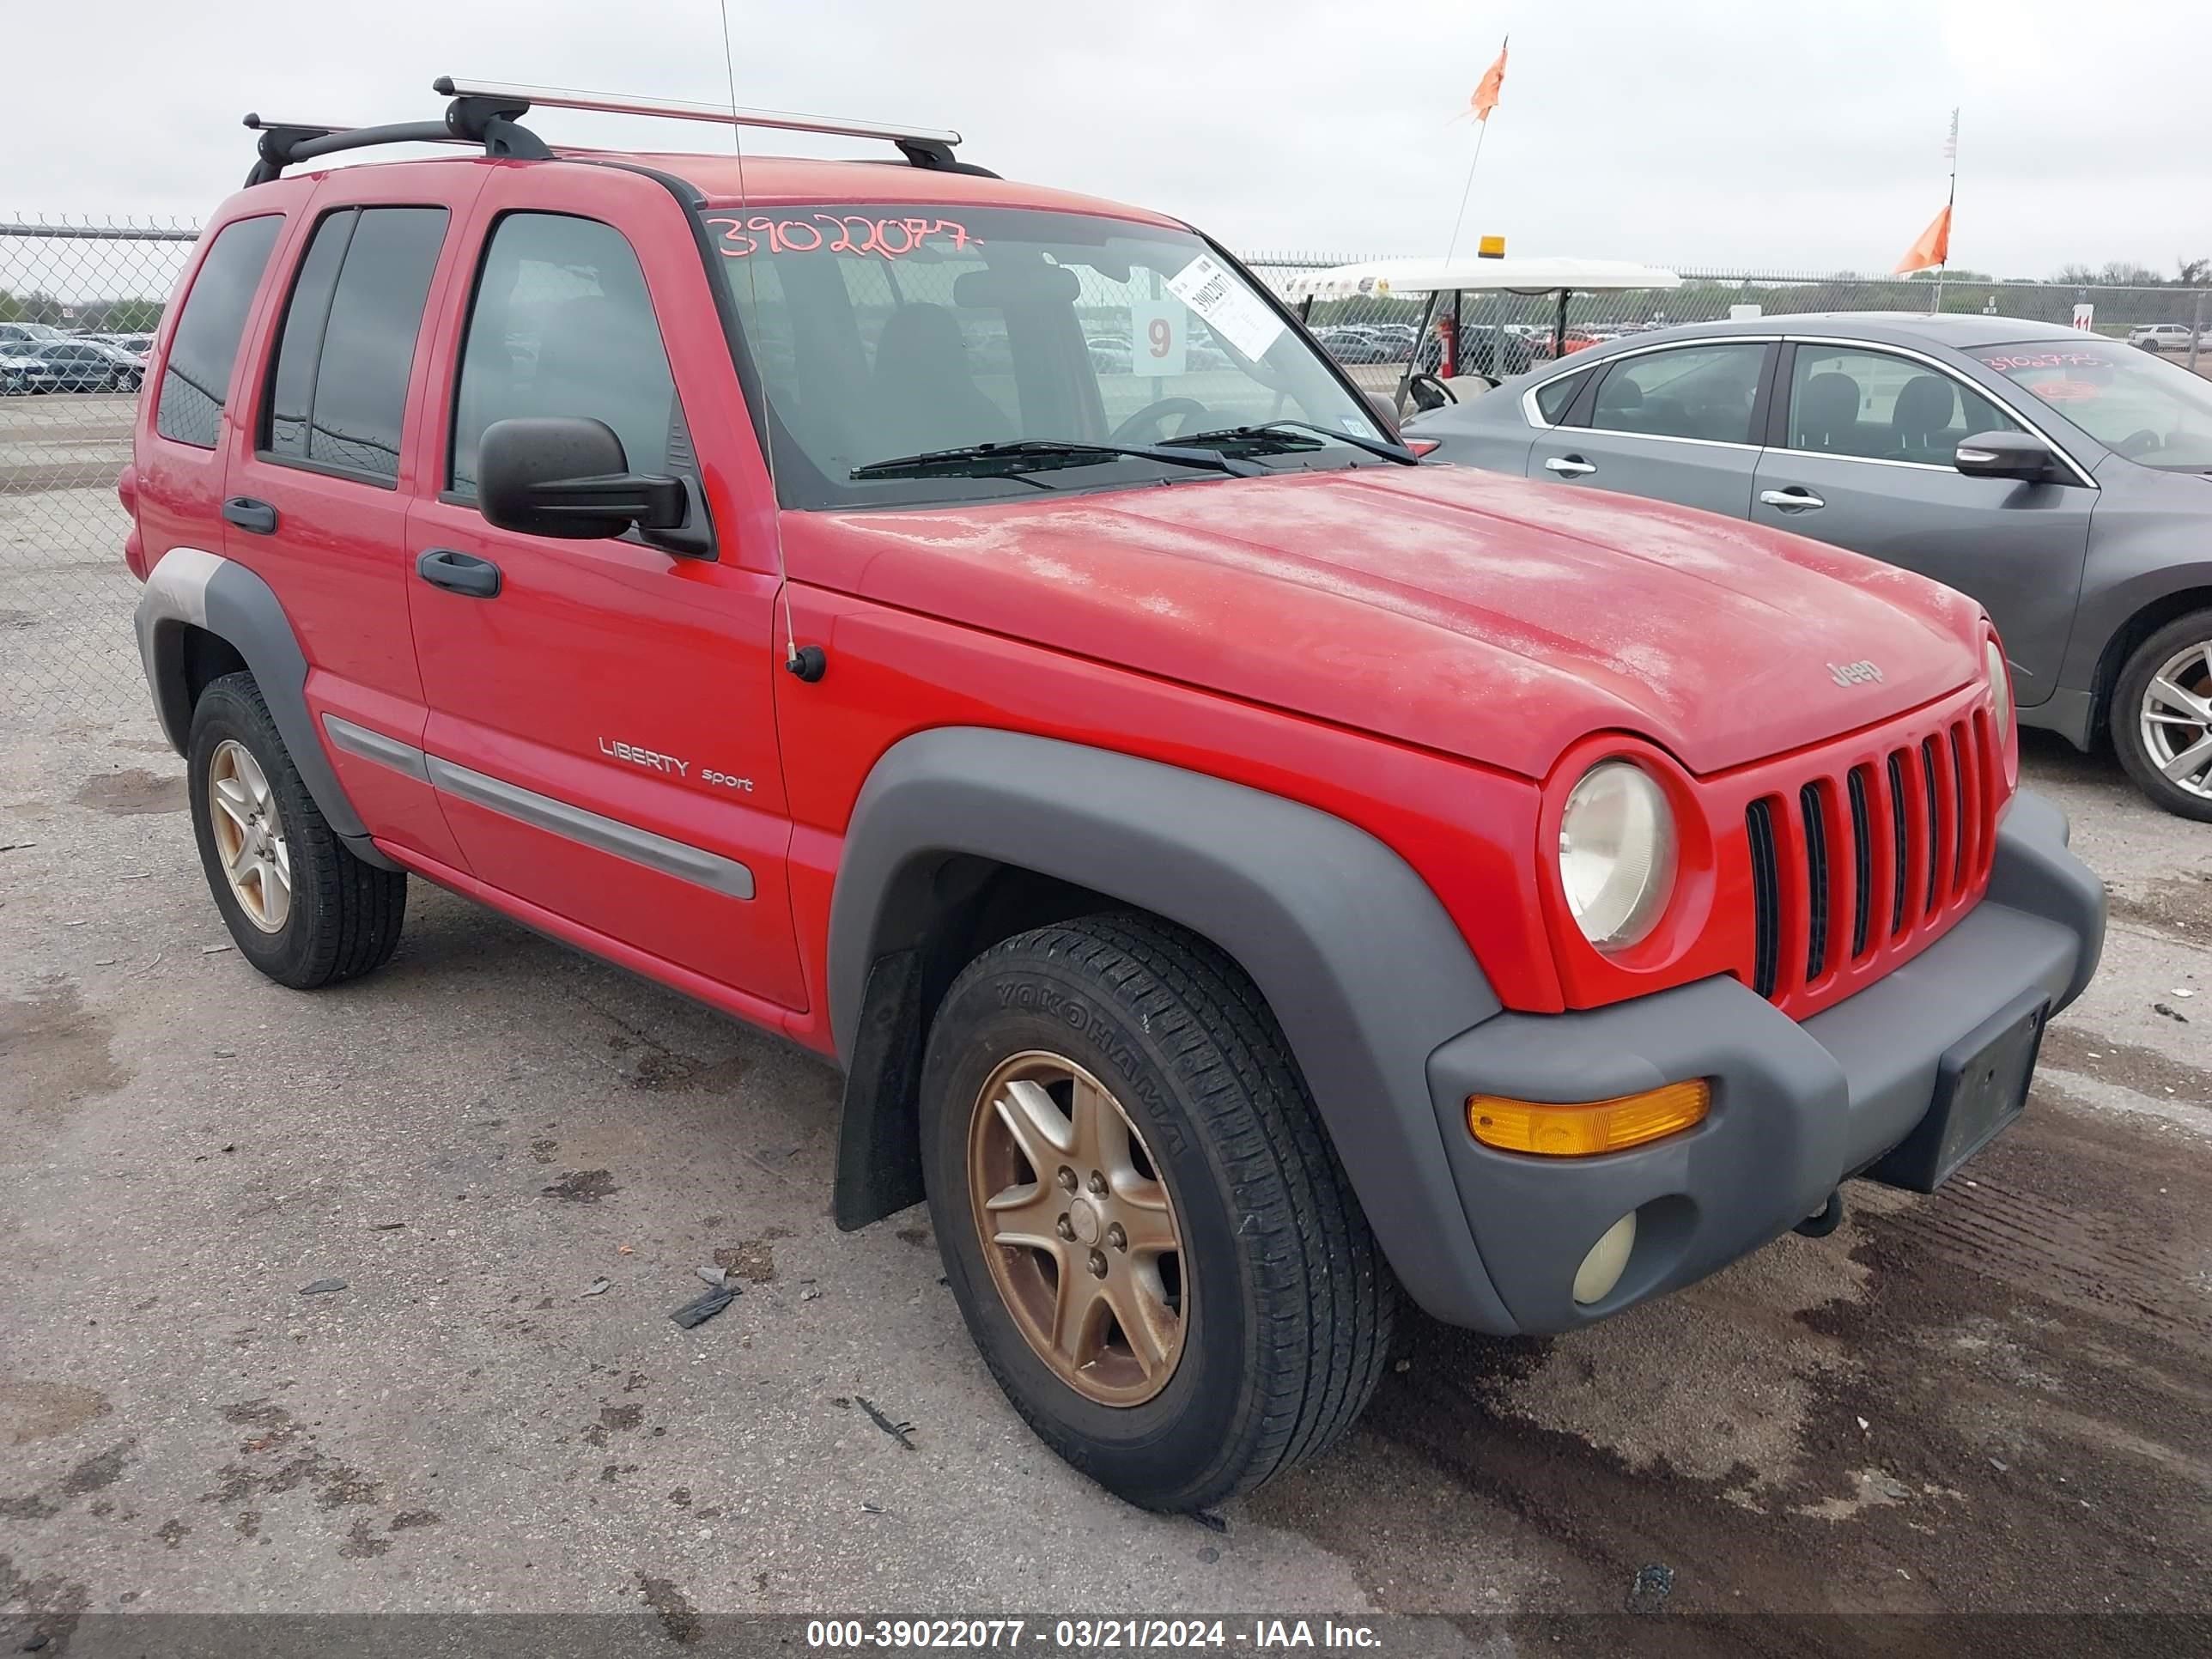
(2061,478)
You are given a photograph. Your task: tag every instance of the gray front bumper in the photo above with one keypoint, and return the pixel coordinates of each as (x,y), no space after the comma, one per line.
(1797,1108)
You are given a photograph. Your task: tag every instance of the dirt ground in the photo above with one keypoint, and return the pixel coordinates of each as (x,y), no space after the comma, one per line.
(1944,1429)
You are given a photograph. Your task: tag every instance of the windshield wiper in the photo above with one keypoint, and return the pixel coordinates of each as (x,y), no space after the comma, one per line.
(1260,431)
(982,460)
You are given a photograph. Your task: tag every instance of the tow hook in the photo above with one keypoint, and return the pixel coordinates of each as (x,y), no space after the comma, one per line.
(1830,1218)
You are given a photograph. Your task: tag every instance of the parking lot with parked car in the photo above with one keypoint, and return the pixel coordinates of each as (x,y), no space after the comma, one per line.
(1991,1399)
(1984,1400)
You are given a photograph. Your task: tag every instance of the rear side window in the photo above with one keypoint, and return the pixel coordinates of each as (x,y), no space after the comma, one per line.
(561,324)
(339,393)
(1555,397)
(196,379)
(1703,392)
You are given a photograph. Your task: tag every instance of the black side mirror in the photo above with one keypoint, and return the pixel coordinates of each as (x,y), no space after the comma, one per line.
(2004,455)
(567,475)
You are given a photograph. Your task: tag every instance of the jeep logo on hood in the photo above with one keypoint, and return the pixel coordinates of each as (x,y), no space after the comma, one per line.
(1862,672)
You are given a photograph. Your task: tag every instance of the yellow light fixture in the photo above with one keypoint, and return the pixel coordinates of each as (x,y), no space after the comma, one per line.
(1584,1129)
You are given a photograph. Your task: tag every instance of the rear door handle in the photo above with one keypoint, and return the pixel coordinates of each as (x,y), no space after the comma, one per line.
(249,514)
(1568,466)
(1796,499)
(459,572)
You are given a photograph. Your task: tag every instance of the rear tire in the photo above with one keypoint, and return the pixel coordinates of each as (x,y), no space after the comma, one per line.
(1282,1304)
(300,906)
(2152,730)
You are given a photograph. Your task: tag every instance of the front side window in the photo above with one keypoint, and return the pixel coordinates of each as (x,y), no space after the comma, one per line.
(881,334)
(1876,406)
(338,397)
(561,324)
(2154,413)
(196,378)
(1703,392)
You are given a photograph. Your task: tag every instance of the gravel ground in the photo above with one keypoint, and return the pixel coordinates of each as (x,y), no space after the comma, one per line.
(1993,1400)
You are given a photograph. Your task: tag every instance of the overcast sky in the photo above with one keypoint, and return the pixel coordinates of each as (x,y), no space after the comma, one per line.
(1763,133)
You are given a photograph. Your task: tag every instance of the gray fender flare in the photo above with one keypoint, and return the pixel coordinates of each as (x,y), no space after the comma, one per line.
(1364,970)
(189,586)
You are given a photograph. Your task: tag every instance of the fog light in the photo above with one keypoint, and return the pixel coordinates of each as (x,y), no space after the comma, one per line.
(1597,1126)
(1608,1260)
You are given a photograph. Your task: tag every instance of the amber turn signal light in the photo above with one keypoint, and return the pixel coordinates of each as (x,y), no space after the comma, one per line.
(1582,1129)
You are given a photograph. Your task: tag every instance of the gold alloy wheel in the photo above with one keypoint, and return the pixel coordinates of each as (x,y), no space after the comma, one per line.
(1077,1228)
(249,836)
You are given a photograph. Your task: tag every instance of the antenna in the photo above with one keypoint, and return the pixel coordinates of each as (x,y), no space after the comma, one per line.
(810,664)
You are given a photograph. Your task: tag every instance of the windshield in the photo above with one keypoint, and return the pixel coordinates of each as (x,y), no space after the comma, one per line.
(880,334)
(2154,413)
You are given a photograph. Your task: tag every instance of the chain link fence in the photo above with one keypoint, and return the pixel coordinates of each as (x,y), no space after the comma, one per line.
(79,302)
(1501,334)
(78,306)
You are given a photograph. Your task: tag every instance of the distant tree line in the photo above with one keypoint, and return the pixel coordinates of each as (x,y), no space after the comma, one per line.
(94,316)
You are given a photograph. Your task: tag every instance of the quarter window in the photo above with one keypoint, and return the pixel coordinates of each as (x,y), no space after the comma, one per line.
(561,324)
(1703,392)
(196,378)
(1555,397)
(1878,407)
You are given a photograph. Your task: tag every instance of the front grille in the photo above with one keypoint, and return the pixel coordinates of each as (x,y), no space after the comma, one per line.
(1857,862)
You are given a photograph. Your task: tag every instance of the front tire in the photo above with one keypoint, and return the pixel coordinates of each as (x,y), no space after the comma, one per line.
(300,906)
(1155,1248)
(2162,716)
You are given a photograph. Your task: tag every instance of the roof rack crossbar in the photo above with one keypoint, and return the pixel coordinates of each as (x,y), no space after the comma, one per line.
(468,119)
(488,113)
(923,147)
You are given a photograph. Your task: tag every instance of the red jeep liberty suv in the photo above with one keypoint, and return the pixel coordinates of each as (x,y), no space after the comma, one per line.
(1241,872)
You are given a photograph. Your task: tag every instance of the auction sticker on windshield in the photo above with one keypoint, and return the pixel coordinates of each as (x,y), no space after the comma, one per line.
(1230,309)
(1158,333)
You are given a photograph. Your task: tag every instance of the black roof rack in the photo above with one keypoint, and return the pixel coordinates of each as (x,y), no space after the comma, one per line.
(487,114)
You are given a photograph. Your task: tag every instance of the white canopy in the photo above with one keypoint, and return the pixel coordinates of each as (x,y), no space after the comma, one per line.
(1404,277)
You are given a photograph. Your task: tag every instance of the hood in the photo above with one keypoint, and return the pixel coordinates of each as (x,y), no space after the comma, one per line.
(1477,615)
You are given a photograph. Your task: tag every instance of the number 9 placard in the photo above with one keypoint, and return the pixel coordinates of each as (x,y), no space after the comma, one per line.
(1159,330)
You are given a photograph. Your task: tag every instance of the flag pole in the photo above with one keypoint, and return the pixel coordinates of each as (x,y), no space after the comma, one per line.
(1482,131)
(1949,201)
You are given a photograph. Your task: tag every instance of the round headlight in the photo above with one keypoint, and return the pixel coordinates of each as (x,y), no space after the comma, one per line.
(1999,688)
(1617,853)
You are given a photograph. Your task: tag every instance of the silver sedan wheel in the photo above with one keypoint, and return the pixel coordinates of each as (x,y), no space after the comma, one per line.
(249,836)
(2176,719)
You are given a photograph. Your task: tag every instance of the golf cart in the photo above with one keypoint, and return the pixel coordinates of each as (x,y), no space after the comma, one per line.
(1460,358)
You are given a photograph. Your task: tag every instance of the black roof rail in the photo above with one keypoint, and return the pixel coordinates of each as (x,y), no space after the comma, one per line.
(470,119)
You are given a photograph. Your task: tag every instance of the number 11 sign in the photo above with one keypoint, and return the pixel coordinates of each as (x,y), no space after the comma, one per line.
(1160,329)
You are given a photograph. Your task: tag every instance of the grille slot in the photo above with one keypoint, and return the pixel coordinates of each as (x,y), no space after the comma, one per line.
(1935,824)
(1766,897)
(1901,847)
(1813,804)
(1861,862)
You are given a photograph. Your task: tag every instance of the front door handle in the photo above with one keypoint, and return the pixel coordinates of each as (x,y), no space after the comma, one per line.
(1568,466)
(459,572)
(249,514)
(1796,499)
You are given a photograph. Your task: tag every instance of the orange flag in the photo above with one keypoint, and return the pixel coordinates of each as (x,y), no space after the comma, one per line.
(1934,247)
(1486,91)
